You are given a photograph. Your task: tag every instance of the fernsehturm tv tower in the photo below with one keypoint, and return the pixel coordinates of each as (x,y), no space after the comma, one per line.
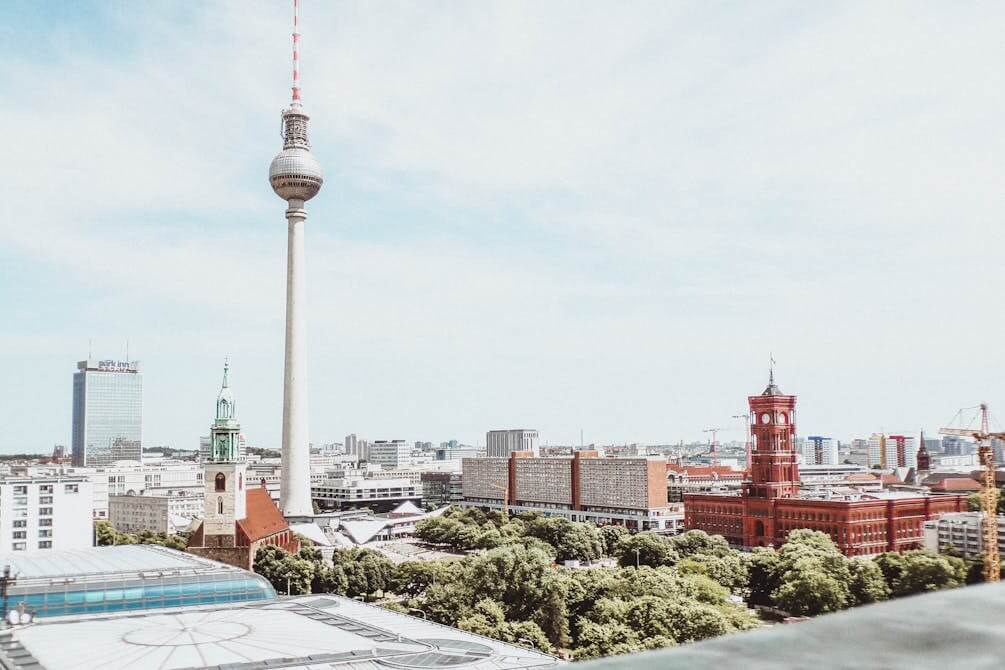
(296,177)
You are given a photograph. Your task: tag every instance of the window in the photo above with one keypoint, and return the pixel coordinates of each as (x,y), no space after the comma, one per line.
(45,532)
(21,490)
(20,500)
(21,523)
(20,534)
(20,546)
(45,511)
(220,481)
(45,500)
(45,488)
(44,544)
(219,505)
(41,522)
(71,488)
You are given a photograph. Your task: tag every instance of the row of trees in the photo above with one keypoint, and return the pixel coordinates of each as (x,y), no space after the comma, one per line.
(106,535)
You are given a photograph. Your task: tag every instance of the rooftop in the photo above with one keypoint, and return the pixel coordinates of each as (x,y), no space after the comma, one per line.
(307,633)
(122,560)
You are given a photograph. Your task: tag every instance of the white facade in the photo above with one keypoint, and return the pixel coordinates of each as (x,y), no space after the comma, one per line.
(360,492)
(45,513)
(501,443)
(167,512)
(132,477)
(961,531)
(390,454)
(818,450)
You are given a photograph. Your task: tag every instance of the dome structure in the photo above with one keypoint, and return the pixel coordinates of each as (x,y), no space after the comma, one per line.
(295,174)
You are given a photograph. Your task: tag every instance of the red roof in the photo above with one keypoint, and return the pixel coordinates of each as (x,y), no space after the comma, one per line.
(890,479)
(957,484)
(861,477)
(264,518)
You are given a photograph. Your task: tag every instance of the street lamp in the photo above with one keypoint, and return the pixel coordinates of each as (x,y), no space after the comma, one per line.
(416,609)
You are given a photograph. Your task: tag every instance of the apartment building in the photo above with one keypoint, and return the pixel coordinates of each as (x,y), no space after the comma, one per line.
(45,513)
(625,491)
(961,532)
(501,443)
(159,510)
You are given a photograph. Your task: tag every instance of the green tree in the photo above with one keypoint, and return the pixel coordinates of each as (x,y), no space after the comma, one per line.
(919,571)
(695,542)
(610,539)
(762,575)
(487,618)
(646,549)
(867,583)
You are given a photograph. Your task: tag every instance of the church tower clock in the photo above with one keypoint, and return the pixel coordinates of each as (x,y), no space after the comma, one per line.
(224,473)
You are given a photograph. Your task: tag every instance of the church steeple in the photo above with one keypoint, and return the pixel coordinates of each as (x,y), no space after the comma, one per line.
(225,432)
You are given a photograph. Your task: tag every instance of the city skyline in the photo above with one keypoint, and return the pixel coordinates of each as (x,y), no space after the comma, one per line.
(505,241)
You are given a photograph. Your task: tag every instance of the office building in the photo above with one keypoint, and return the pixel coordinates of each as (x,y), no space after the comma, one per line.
(132,479)
(961,533)
(441,488)
(314,632)
(45,513)
(378,495)
(390,454)
(159,510)
(770,503)
(818,450)
(953,445)
(107,412)
(237,518)
(501,443)
(626,491)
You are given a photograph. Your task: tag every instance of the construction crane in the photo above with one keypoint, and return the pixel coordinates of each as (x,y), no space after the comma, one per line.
(713,447)
(505,490)
(989,492)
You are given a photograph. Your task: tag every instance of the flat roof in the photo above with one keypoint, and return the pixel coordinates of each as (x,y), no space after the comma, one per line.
(307,632)
(103,562)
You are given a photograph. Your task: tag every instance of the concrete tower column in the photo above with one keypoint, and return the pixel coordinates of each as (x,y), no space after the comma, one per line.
(295,496)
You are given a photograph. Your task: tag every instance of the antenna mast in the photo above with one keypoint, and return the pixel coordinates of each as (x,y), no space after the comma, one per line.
(296,53)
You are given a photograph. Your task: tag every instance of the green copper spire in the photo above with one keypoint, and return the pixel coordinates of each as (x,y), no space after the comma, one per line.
(225,433)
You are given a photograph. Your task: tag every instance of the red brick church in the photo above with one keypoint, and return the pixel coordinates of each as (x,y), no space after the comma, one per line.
(769,504)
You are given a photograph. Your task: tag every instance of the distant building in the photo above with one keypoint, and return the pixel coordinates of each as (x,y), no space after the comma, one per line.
(961,532)
(631,492)
(390,454)
(134,478)
(501,443)
(159,511)
(953,445)
(771,504)
(456,453)
(107,412)
(45,513)
(441,488)
(818,450)
(379,495)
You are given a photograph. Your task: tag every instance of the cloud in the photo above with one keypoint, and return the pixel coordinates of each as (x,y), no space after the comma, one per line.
(560,214)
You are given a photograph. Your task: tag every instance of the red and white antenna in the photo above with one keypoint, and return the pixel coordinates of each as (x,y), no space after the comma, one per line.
(296,52)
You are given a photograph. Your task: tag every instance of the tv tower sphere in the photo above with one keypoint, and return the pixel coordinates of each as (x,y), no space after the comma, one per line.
(294,173)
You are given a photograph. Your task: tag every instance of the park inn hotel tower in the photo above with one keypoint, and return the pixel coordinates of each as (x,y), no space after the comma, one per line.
(107,412)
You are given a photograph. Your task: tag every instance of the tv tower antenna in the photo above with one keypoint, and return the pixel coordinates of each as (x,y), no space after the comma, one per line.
(296,54)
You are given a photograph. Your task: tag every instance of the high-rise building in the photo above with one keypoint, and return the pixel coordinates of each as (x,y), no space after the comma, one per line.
(390,454)
(818,450)
(296,177)
(107,412)
(952,445)
(501,443)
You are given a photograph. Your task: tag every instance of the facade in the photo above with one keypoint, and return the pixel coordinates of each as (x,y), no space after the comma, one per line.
(701,479)
(626,491)
(135,479)
(159,511)
(107,412)
(770,503)
(961,533)
(390,454)
(379,495)
(819,450)
(45,513)
(237,520)
(501,443)
(441,488)
(102,580)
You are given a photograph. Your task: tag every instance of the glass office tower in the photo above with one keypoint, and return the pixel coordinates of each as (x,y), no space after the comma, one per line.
(107,412)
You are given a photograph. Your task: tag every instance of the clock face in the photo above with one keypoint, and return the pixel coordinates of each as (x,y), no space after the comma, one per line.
(781,418)
(765,418)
